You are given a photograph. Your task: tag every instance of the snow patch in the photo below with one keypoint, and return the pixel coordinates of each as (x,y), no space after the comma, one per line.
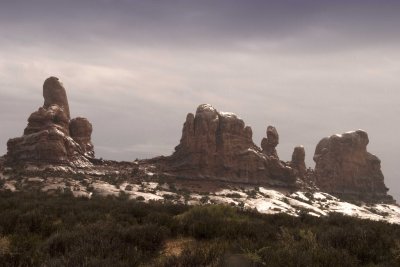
(228,115)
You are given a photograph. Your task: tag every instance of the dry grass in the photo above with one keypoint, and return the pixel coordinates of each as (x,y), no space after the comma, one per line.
(174,247)
(4,245)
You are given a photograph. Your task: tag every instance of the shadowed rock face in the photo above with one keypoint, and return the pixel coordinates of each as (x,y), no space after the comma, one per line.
(298,161)
(219,145)
(270,143)
(345,167)
(47,138)
(81,131)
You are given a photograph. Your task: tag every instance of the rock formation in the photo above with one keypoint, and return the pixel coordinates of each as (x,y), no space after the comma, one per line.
(298,161)
(47,137)
(54,94)
(214,145)
(219,145)
(344,167)
(81,131)
(270,143)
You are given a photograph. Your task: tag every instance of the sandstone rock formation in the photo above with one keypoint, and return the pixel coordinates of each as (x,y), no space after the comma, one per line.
(54,94)
(298,161)
(344,167)
(81,131)
(269,144)
(219,145)
(47,137)
(2,161)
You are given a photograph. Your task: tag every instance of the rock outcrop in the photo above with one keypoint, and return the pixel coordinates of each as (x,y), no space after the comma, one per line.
(218,145)
(47,137)
(344,167)
(298,161)
(81,131)
(214,145)
(270,143)
(54,94)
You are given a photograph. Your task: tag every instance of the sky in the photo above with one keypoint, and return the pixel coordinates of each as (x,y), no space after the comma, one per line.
(136,68)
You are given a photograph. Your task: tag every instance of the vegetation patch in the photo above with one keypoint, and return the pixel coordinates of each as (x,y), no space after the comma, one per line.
(41,230)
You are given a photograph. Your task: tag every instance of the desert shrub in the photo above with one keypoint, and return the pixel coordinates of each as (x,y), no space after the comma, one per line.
(105,240)
(41,230)
(234,195)
(207,221)
(204,199)
(140,198)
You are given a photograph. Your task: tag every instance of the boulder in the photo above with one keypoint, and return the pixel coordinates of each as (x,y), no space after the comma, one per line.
(47,138)
(344,167)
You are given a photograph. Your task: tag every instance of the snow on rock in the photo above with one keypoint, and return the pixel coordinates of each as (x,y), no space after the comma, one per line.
(264,200)
(270,206)
(9,186)
(321,196)
(228,114)
(3,177)
(53,184)
(300,195)
(301,206)
(316,204)
(35,180)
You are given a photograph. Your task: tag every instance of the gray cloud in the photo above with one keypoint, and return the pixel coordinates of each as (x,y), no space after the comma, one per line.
(319,25)
(135,68)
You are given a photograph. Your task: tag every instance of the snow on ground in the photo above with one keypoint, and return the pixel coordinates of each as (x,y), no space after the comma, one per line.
(264,200)
(35,180)
(10,186)
(53,184)
(105,189)
(316,204)
(300,195)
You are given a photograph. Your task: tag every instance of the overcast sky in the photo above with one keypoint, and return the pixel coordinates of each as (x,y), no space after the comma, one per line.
(136,68)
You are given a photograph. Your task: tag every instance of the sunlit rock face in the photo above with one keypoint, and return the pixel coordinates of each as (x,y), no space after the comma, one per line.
(345,167)
(47,138)
(219,145)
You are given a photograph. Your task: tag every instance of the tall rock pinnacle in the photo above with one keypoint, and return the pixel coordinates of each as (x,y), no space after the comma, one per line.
(47,138)
(298,160)
(54,94)
(270,143)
